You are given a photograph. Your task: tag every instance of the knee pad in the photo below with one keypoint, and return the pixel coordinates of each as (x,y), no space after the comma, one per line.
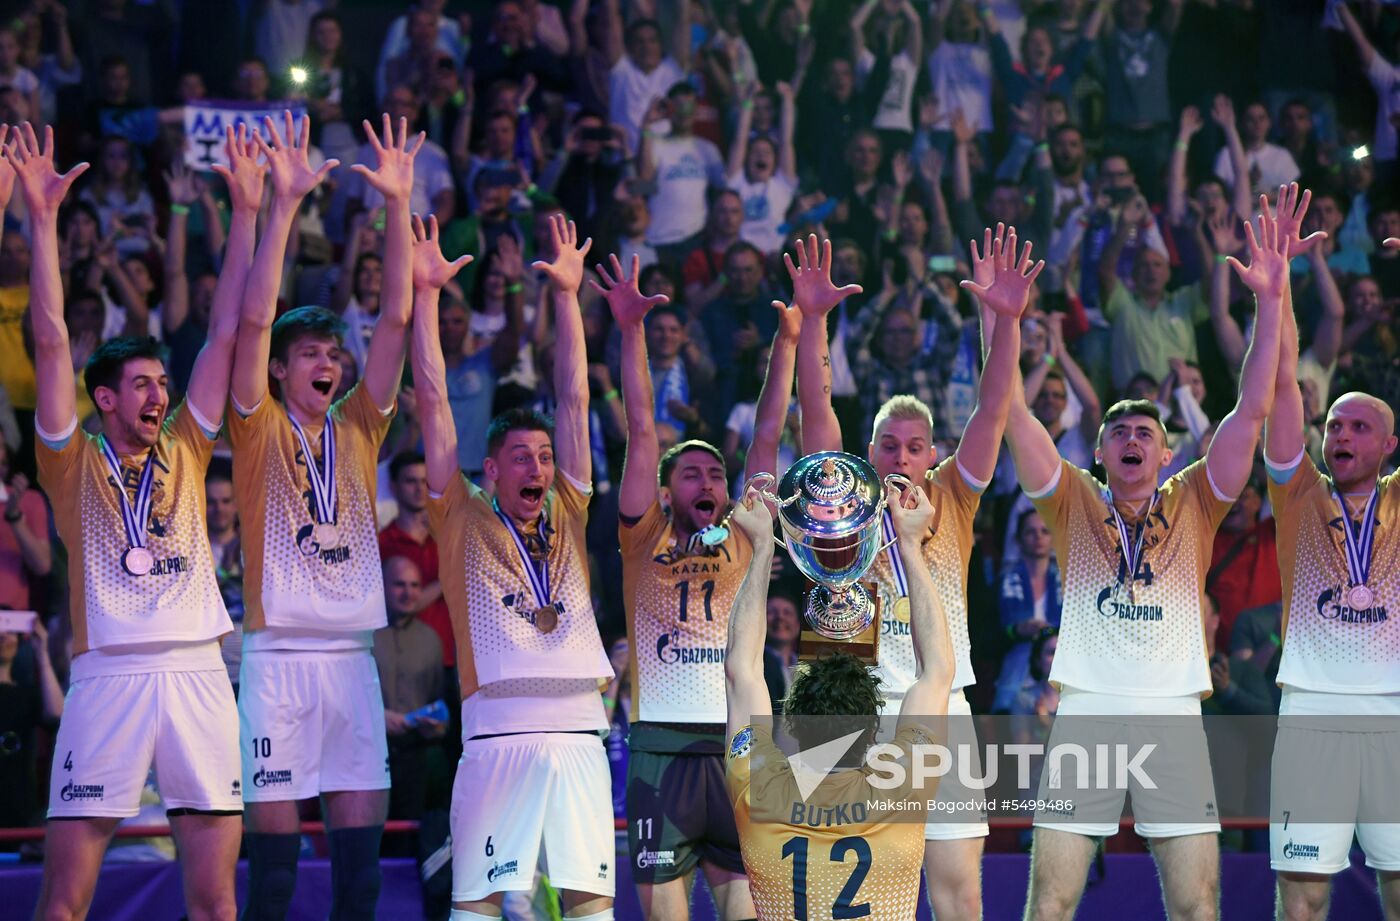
(272,875)
(355,875)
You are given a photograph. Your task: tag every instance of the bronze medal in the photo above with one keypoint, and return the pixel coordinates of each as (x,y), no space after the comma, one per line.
(547,618)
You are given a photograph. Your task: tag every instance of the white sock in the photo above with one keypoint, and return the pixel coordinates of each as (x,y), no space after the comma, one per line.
(605,915)
(461,914)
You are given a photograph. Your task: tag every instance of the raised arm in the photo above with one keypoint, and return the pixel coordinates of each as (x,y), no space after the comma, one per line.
(739,146)
(1006,296)
(914,31)
(746,694)
(394,180)
(1364,48)
(1241,193)
(1130,219)
(770,415)
(44,190)
(209,379)
(1284,435)
(1231,455)
(292,178)
(1177,193)
(629,309)
(430,273)
(179,182)
(912,513)
(815,295)
(565,273)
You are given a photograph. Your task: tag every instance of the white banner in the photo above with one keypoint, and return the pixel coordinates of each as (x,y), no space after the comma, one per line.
(205,123)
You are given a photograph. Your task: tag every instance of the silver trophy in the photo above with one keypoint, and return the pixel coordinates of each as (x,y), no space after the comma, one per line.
(831,506)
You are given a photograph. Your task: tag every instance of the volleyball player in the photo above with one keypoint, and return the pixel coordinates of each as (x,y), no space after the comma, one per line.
(862,860)
(148,686)
(1134,559)
(902,442)
(304,470)
(1338,556)
(533,785)
(681,568)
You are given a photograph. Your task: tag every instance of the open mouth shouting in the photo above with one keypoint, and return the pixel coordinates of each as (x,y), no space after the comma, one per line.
(705,508)
(1132,457)
(532,495)
(324,385)
(150,417)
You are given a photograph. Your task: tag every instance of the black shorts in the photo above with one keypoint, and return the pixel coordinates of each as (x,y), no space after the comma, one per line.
(678,814)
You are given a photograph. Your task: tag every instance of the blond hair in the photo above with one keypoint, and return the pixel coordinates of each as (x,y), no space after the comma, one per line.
(903,406)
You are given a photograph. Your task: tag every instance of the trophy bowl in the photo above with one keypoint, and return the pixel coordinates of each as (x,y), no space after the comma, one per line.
(830,507)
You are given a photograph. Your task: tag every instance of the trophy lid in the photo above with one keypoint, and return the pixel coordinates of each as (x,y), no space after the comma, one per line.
(836,493)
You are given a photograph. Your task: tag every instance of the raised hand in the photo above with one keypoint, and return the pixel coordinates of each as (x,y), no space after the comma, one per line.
(751,515)
(1009,291)
(292,175)
(181,184)
(1220,230)
(394,177)
(812,287)
(1223,113)
(7,174)
(566,271)
(628,304)
(44,188)
(430,269)
(1191,122)
(508,259)
(244,175)
(1292,208)
(789,320)
(1267,272)
(902,169)
(984,269)
(911,513)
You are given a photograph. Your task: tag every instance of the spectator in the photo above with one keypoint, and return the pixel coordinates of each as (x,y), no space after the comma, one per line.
(337,93)
(736,324)
(644,73)
(1384,222)
(1270,165)
(1030,604)
(492,219)
(54,61)
(513,51)
(855,216)
(1298,135)
(409,656)
(681,168)
(891,69)
(26,704)
(585,171)
(959,69)
(253,82)
(764,174)
(26,554)
(1138,112)
(1243,565)
(703,270)
(281,30)
(1239,684)
(1385,79)
(407,537)
(473,363)
(780,642)
(681,375)
(832,114)
(16,368)
(125,208)
(617,702)
(1037,696)
(449,39)
(413,65)
(137,33)
(432,173)
(221,518)
(13,73)
(1040,72)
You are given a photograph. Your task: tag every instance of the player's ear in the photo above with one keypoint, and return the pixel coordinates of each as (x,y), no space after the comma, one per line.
(1391,442)
(105,398)
(663,495)
(488,467)
(277,368)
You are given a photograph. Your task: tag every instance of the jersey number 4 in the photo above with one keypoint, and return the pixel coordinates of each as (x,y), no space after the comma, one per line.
(707,588)
(843,907)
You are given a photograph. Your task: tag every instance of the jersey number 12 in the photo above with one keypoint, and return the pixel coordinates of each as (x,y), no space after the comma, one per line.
(843,907)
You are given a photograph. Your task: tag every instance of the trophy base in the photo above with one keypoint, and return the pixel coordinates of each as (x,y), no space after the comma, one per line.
(845,614)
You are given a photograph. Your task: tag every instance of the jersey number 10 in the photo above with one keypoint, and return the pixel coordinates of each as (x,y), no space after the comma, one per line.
(842,908)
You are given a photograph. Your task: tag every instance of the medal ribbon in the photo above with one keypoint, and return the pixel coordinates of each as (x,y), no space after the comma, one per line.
(134,519)
(1358,547)
(1132,553)
(896,564)
(323,489)
(537,576)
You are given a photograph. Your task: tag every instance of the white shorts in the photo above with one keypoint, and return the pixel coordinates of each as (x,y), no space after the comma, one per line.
(115,727)
(514,793)
(311,723)
(949,823)
(1357,766)
(1178,767)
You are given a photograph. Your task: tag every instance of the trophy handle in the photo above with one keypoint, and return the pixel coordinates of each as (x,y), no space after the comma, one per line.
(769,483)
(892,479)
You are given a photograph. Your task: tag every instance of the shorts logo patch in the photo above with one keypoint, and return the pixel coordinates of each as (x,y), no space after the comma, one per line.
(1293,851)
(646,858)
(266,778)
(502,870)
(743,741)
(81,791)
(237,788)
(602,871)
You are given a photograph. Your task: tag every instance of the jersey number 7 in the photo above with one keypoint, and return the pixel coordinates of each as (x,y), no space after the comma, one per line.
(842,908)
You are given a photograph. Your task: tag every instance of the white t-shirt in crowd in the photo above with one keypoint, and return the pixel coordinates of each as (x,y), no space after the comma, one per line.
(896,102)
(685,169)
(765,208)
(1275,165)
(961,75)
(631,91)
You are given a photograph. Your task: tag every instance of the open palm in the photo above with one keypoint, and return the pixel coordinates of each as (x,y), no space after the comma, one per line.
(1267,272)
(812,287)
(627,303)
(244,175)
(1292,208)
(431,270)
(43,186)
(1009,291)
(394,177)
(566,271)
(292,175)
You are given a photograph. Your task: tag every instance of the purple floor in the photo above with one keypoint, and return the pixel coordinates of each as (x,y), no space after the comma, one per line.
(151,892)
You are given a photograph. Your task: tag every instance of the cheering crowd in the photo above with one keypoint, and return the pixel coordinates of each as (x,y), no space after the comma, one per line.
(696,141)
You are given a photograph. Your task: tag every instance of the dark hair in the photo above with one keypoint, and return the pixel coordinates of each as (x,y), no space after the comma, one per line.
(401,460)
(671,458)
(1045,635)
(66,215)
(1067,126)
(104,368)
(656,268)
(743,246)
(303,323)
(220,470)
(835,685)
(681,88)
(1132,408)
(638,25)
(516,420)
(665,310)
(112,60)
(1022,518)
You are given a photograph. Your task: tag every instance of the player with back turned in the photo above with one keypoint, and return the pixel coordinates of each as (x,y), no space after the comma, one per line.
(304,469)
(148,685)
(533,781)
(902,442)
(1340,562)
(1132,653)
(681,568)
